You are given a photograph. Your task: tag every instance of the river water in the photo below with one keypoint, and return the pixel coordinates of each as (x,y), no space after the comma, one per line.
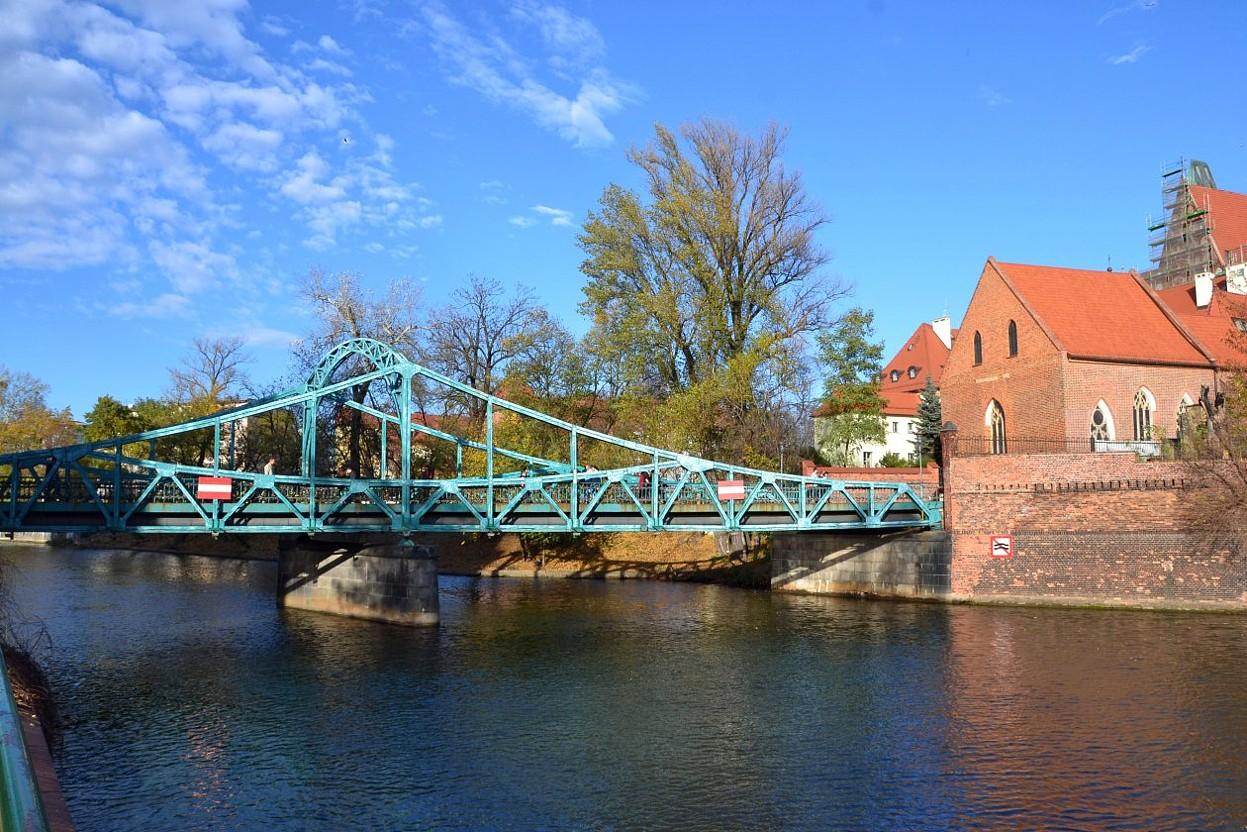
(190,702)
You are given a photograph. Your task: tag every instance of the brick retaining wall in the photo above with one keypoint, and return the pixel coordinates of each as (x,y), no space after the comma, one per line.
(1087,528)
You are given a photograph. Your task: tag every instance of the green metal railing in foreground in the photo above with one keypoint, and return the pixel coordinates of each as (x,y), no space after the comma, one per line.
(20,805)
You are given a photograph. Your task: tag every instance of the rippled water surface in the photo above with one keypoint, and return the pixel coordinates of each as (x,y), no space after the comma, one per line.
(190,702)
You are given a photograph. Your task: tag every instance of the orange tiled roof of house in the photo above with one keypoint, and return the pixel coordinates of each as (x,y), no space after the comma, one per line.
(1214,324)
(925,353)
(1228,212)
(900,402)
(1102,315)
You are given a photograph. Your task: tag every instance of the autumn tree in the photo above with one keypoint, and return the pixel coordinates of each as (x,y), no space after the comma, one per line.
(26,421)
(704,290)
(852,410)
(343,309)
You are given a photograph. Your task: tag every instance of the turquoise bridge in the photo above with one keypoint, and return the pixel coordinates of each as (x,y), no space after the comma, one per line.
(365,390)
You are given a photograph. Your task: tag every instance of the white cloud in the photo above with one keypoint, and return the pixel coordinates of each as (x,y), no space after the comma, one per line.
(491,192)
(274,27)
(256,335)
(1136,5)
(119,119)
(333,67)
(522,221)
(167,305)
(74,162)
(331,46)
(245,146)
(574,41)
(492,68)
(993,97)
(302,185)
(1130,57)
(558,216)
(364,193)
(193,266)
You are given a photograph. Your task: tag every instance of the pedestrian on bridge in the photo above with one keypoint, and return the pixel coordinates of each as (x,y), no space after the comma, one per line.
(269,466)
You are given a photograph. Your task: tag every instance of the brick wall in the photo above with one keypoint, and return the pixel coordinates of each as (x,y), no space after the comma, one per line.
(1028,385)
(1100,528)
(1087,382)
(930,475)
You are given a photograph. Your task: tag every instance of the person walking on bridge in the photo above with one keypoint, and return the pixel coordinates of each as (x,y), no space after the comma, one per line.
(269,466)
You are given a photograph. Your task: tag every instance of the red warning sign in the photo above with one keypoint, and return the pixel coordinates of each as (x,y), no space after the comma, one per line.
(1002,546)
(215,488)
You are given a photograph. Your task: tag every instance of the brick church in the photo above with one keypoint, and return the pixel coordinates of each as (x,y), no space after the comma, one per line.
(1049,356)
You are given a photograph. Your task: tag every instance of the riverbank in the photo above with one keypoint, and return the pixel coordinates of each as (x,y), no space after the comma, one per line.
(728,559)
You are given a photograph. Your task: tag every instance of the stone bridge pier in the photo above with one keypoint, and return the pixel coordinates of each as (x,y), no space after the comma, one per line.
(393,581)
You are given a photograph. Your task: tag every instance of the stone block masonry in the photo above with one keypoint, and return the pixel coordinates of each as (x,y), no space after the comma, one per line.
(395,582)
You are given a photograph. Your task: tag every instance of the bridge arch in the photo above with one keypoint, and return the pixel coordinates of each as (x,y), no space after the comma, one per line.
(382,356)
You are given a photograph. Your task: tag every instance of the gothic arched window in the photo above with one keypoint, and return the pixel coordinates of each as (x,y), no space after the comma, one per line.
(978,349)
(1013,339)
(1102,423)
(996,427)
(1144,404)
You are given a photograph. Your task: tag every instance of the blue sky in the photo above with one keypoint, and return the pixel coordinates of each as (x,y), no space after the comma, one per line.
(171,170)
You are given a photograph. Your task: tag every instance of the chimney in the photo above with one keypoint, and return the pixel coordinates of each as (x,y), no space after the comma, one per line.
(1203,289)
(944,330)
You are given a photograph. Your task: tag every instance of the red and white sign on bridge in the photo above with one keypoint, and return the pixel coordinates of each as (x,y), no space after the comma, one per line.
(731,489)
(215,488)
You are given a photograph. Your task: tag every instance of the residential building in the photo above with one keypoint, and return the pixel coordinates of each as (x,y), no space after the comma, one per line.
(922,356)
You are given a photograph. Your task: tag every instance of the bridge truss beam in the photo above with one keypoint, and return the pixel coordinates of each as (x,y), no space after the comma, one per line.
(115,485)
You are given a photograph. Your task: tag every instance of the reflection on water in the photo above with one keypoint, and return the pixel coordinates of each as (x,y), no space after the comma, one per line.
(191,702)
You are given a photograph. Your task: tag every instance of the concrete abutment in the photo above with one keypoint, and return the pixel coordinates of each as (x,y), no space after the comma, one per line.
(908,564)
(394,582)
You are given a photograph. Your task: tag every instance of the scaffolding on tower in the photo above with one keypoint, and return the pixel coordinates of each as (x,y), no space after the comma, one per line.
(1181,240)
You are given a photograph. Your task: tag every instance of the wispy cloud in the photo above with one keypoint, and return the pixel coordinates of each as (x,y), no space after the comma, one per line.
(488,64)
(558,216)
(1132,56)
(167,305)
(119,117)
(993,97)
(1135,6)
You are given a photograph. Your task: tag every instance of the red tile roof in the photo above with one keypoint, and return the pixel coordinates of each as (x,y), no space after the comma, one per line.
(1214,324)
(1228,212)
(925,352)
(900,402)
(1101,315)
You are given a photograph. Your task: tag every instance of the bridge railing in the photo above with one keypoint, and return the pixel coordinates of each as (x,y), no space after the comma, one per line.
(20,804)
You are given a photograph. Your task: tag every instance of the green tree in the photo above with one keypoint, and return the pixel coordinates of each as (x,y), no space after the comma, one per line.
(930,422)
(109,419)
(852,411)
(702,293)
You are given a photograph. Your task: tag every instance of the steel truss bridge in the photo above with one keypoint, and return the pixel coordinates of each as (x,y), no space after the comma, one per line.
(121,485)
